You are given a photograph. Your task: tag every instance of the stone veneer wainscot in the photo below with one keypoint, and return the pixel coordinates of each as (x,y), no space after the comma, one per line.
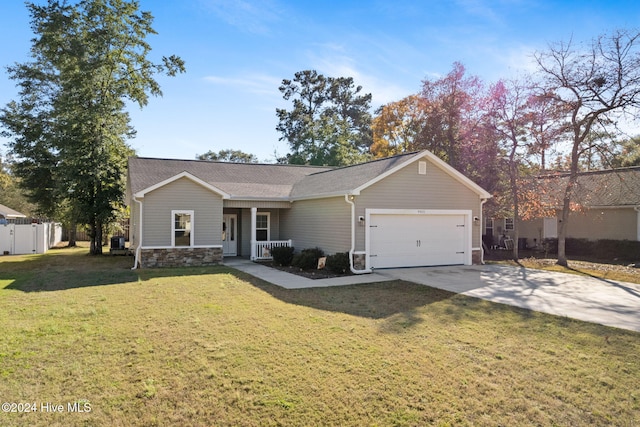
(180,257)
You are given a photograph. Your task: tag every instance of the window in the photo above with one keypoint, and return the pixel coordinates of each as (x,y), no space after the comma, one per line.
(488,226)
(181,228)
(508,224)
(262,226)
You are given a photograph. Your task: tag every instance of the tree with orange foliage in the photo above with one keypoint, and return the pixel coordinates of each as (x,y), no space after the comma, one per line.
(397,126)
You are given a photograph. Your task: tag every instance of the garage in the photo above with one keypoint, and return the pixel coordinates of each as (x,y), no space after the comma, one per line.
(414,238)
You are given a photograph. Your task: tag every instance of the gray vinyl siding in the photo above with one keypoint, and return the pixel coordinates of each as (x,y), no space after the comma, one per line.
(595,224)
(244,228)
(256,204)
(182,194)
(134,221)
(406,189)
(325,223)
(592,224)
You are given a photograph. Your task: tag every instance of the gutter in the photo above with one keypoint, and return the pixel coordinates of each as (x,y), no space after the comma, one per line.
(353,238)
(137,257)
(482,202)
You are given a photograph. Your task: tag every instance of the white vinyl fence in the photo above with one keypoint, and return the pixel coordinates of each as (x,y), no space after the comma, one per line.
(16,239)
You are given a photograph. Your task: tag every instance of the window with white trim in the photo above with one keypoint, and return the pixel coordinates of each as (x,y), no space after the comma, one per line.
(508,224)
(181,228)
(262,226)
(488,226)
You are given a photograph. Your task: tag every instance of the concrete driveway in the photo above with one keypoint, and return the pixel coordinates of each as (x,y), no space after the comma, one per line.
(585,298)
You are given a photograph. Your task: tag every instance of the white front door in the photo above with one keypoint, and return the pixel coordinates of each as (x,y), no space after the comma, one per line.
(229,234)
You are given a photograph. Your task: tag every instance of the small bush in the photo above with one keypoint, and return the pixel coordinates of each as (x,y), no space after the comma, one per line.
(282,255)
(338,263)
(307,259)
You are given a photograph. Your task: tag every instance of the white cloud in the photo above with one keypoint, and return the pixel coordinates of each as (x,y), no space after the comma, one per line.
(253,83)
(337,64)
(248,15)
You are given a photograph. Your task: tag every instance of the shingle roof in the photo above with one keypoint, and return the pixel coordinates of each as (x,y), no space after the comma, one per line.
(613,187)
(267,181)
(251,180)
(345,179)
(7,212)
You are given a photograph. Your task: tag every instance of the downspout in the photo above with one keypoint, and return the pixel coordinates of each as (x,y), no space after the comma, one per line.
(482,202)
(137,257)
(353,238)
(637,209)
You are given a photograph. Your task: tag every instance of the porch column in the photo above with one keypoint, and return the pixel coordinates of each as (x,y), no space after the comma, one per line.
(254,213)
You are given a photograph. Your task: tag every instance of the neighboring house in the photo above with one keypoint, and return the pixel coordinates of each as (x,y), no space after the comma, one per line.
(7,214)
(407,210)
(606,205)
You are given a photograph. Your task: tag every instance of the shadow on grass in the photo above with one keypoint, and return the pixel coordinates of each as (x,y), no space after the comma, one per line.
(401,301)
(64,269)
(372,300)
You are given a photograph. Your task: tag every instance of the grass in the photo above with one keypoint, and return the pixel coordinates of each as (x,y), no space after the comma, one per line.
(598,270)
(213,346)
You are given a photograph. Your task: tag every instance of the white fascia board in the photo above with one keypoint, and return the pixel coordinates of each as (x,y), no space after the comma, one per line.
(323,196)
(260,199)
(185,174)
(436,161)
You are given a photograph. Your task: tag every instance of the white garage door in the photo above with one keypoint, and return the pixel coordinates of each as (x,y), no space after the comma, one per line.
(412,240)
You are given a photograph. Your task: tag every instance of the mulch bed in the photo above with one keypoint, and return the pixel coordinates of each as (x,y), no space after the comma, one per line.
(325,273)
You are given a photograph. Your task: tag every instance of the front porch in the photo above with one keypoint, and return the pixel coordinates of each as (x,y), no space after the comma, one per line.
(263,249)
(252,232)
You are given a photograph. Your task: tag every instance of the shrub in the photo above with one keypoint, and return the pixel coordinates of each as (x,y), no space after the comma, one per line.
(282,255)
(603,250)
(338,263)
(307,259)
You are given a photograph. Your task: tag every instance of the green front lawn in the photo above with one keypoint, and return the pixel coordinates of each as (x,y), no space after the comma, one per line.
(213,346)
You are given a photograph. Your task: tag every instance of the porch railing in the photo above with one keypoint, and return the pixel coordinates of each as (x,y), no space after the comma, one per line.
(263,248)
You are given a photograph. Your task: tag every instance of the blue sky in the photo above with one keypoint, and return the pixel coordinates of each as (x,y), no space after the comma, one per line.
(238,52)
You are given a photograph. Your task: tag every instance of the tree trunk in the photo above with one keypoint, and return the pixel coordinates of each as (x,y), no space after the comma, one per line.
(95,235)
(566,202)
(516,215)
(73,228)
(564,219)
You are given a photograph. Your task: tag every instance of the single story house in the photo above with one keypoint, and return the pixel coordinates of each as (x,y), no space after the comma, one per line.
(606,205)
(7,214)
(407,210)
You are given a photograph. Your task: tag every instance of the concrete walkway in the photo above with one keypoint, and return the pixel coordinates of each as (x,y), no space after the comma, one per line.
(292,281)
(579,297)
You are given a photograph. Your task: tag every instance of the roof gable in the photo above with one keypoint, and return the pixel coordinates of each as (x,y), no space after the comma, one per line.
(437,162)
(354,179)
(181,175)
